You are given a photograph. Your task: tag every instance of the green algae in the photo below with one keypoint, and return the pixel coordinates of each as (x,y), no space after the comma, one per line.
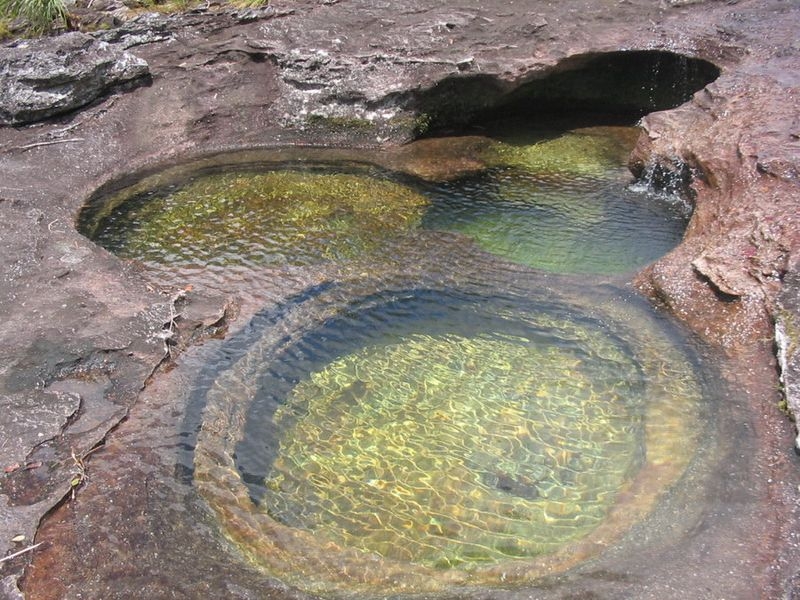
(336,123)
(576,153)
(255,218)
(559,203)
(445,450)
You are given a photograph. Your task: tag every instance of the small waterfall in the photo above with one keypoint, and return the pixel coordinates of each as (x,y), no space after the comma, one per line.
(652,86)
(670,182)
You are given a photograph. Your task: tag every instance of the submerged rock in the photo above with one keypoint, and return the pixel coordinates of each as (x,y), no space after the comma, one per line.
(46,77)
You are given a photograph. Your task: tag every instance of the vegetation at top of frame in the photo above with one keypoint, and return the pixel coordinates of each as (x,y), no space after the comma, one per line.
(5,28)
(243,4)
(177,6)
(40,17)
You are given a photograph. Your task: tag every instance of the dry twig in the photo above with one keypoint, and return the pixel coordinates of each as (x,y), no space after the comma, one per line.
(49,143)
(21,552)
(79,471)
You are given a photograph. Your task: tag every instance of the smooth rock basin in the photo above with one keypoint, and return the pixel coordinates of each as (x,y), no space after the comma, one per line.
(558,201)
(423,439)
(449,387)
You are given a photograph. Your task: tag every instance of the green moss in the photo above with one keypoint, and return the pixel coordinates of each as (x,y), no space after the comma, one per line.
(570,154)
(422,124)
(411,126)
(783,406)
(285,217)
(339,123)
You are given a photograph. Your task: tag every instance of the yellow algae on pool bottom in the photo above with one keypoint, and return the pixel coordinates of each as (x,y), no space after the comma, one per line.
(449,450)
(588,152)
(357,500)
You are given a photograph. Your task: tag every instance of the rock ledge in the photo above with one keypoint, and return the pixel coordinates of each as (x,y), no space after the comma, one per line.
(51,76)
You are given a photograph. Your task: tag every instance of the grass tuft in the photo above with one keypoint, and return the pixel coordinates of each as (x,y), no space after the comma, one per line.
(5,28)
(41,15)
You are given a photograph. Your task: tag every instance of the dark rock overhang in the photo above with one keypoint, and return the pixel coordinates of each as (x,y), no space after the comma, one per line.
(625,85)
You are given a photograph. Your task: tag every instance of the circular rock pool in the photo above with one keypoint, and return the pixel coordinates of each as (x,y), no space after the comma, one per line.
(419,439)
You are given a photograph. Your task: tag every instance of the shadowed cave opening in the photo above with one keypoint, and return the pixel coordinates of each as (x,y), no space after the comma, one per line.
(594,88)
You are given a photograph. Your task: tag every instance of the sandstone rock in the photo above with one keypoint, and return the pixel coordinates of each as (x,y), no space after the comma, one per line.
(719,274)
(787,339)
(226,82)
(52,411)
(46,77)
(144,29)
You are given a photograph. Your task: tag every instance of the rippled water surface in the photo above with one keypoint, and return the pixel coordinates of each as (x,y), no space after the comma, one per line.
(440,388)
(560,203)
(251,217)
(431,437)
(584,223)
(445,449)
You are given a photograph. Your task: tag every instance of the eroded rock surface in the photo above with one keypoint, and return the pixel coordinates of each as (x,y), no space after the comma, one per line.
(740,144)
(51,76)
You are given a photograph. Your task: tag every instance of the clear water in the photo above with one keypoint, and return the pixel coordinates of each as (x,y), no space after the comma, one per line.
(447,430)
(447,449)
(572,223)
(420,404)
(257,218)
(428,437)
(561,203)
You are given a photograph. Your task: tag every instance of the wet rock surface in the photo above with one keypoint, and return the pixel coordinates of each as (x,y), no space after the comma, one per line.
(787,333)
(81,333)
